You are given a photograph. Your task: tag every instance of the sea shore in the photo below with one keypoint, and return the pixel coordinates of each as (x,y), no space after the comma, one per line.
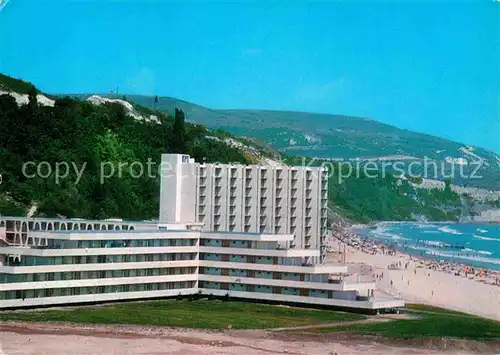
(417,279)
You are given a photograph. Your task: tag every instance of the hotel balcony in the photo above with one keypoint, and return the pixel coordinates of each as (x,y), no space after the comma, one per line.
(288,283)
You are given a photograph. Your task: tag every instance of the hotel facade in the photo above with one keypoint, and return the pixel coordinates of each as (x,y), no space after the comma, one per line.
(248,198)
(47,262)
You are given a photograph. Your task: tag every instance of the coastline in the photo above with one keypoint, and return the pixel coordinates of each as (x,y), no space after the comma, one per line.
(417,279)
(443,251)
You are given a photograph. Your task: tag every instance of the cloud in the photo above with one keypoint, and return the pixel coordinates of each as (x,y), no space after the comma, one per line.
(141,83)
(319,92)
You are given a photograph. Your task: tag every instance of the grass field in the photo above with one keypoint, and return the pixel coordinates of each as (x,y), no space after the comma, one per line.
(214,314)
(429,322)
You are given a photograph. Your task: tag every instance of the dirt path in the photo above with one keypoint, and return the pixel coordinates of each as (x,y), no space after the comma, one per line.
(329,325)
(66,338)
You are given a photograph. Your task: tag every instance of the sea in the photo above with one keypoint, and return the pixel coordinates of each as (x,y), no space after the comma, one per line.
(477,245)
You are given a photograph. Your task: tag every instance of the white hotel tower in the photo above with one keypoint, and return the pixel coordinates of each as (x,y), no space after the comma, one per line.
(247,198)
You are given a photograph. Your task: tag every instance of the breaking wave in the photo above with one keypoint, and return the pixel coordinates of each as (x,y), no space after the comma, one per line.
(447,229)
(465,257)
(485,238)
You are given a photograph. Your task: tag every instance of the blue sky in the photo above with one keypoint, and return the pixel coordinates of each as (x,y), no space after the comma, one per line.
(423,66)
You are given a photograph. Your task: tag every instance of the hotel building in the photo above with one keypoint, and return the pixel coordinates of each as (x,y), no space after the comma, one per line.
(248,198)
(47,262)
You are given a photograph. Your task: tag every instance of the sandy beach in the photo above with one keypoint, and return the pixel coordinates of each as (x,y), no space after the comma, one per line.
(420,280)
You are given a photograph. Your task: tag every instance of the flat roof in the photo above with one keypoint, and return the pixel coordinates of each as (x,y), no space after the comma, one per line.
(81,220)
(115,231)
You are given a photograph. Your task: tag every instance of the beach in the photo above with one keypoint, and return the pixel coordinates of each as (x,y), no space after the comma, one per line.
(415,279)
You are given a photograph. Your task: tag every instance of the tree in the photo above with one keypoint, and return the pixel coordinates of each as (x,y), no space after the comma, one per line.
(179,133)
(32,99)
(155,101)
(447,185)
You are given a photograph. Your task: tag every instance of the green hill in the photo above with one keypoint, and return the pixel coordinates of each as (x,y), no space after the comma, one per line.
(9,84)
(75,136)
(336,136)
